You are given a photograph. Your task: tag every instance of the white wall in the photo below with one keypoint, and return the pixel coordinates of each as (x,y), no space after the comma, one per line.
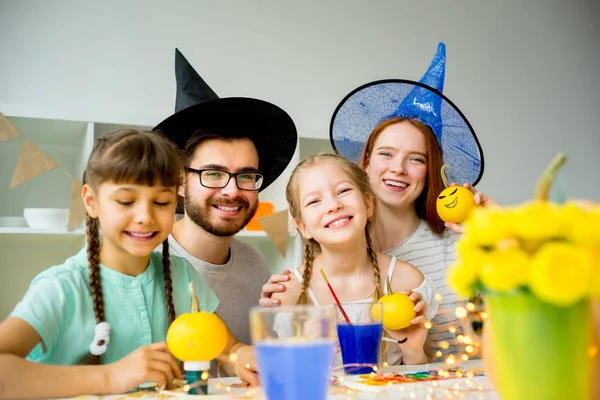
(523,72)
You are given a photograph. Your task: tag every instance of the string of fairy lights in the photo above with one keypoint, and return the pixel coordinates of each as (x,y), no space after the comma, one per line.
(444,387)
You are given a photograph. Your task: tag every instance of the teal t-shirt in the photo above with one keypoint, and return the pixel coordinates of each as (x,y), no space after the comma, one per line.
(58,305)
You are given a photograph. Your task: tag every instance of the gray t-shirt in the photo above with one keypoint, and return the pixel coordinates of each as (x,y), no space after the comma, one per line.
(237,283)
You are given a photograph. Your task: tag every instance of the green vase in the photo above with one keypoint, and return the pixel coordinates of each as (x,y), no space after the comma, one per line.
(541,350)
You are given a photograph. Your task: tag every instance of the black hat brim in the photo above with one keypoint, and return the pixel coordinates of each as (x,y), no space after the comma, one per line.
(269,127)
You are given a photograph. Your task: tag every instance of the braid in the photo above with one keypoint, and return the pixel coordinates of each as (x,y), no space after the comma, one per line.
(377,293)
(375,265)
(168,282)
(306,274)
(93,252)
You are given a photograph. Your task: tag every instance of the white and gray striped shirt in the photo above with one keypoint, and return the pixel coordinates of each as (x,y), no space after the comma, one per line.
(432,254)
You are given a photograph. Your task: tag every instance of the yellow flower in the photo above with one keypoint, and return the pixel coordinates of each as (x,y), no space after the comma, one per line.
(466,245)
(461,277)
(561,273)
(595,282)
(488,226)
(505,269)
(582,226)
(537,221)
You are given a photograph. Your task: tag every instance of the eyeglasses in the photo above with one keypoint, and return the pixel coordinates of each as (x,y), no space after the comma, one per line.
(217,179)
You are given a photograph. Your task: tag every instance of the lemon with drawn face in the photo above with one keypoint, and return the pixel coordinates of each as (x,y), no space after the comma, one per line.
(454,204)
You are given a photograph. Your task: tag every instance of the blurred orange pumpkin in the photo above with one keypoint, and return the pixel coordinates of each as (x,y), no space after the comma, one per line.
(264,209)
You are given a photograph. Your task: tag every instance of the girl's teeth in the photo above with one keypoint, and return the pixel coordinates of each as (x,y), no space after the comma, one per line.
(338,222)
(137,234)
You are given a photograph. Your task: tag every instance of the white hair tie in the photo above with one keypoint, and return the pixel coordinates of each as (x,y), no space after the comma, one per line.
(101,339)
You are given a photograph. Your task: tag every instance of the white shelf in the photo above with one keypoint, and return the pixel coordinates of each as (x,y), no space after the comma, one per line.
(30,231)
(252,234)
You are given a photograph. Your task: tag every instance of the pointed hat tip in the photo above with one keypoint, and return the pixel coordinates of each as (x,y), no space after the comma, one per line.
(179,54)
(441,50)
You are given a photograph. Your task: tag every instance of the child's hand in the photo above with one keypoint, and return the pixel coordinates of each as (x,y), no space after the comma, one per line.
(416,335)
(273,286)
(245,365)
(152,363)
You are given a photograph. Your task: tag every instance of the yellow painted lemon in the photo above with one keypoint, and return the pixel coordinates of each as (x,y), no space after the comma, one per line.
(197,336)
(454,204)
(398,311)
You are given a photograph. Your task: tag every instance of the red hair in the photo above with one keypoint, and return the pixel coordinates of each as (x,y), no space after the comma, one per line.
(425,205)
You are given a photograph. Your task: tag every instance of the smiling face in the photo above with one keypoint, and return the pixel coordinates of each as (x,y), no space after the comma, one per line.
(134,218)
(397,165)
(224,211)
(455,203)
(332,209)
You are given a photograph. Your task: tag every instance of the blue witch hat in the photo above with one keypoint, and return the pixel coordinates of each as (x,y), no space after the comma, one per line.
(365,107)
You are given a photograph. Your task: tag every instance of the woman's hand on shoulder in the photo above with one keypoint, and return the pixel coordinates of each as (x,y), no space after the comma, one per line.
(274,285)
(152,363)
(481,200)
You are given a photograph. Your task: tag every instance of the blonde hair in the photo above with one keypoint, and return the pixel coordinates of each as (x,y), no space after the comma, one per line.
(311,247)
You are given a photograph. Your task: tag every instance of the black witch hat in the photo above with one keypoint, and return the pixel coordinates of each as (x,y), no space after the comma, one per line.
(198,109)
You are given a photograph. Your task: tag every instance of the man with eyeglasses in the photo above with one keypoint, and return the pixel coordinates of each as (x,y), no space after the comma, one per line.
(233,148)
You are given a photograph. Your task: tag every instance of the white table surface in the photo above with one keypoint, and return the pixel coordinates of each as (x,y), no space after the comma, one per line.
(476,388)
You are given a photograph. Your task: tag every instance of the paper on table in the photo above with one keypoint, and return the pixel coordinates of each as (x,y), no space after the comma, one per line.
(32,162)
(76,207)
(276,227)
(7,129)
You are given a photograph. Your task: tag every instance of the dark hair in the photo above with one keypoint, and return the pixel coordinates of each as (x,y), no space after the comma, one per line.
(203,135)
(425,204)
(311,247)
(128,156)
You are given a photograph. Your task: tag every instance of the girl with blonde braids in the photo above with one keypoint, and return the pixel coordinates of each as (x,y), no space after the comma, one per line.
(332,203)
(111,304)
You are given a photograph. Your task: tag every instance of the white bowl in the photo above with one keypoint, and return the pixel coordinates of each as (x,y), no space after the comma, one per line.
(47,218)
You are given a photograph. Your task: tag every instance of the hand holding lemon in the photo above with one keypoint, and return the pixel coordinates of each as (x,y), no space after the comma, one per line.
(398,310)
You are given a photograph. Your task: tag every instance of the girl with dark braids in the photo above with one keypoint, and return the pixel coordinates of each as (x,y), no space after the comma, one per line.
(111,304)
(331,201)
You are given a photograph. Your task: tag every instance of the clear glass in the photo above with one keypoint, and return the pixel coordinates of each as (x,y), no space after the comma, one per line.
(360,340)
(294,350)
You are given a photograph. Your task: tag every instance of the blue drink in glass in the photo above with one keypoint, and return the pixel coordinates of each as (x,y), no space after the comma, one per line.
(360,344)
(295,371)
(295,348)
(359,333)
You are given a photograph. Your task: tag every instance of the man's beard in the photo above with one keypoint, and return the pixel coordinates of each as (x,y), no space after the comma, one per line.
(200,214)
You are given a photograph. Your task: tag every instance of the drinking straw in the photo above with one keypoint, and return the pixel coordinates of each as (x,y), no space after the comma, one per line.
(337,301)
